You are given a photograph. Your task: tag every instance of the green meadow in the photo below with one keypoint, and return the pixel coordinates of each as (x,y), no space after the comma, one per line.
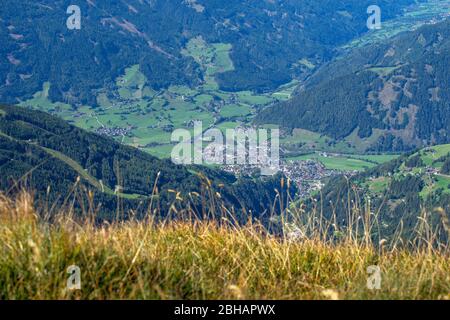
(150,116)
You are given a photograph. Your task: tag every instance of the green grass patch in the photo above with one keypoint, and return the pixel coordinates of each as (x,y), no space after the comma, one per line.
(233,110)
(379,159)
(443,182)
(160,151)
(305,62)
(250,98)
(340,163)
(429,155)
(379,185)
(383,71)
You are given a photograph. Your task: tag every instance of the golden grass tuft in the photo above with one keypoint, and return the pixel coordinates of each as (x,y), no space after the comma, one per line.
(199,260)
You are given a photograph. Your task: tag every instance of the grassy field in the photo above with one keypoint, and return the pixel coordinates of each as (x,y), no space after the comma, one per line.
(150,116)
(384,71)
(433,181)
(345,162)
(430,155)
(199,260)
(231,111)
(336,163)
(312,140)
(443,182)
(379,185)
(306,141)
(382,158)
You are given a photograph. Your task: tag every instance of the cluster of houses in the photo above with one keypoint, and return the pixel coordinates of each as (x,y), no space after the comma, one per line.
(307,175)
(114,131)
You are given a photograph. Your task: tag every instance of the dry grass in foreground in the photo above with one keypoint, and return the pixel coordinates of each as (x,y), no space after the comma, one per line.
(203,260)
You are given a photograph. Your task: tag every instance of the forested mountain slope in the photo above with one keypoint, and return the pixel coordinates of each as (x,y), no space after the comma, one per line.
(268,40)
(57,160)
(398,194)
(396,92)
